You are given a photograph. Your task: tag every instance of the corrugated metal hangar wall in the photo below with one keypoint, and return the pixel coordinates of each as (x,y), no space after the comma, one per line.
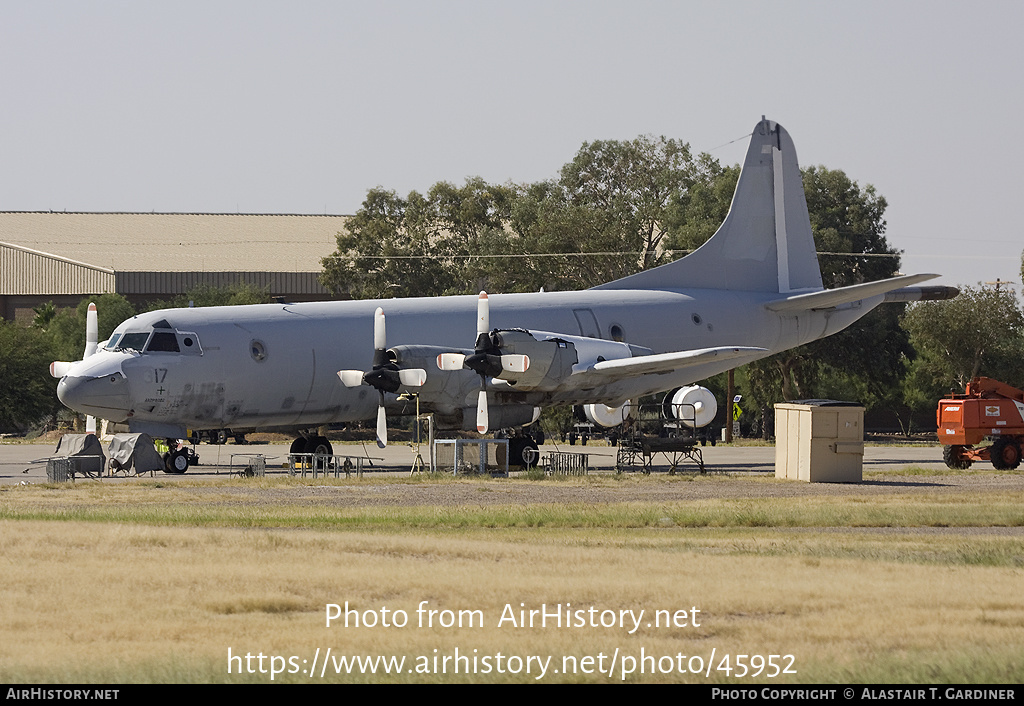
(63,257)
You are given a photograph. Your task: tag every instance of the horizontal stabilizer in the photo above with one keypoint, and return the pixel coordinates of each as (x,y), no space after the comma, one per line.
(831,298)
(622,368)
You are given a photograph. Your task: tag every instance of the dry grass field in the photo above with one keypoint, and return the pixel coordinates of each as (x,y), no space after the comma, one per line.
(760,581)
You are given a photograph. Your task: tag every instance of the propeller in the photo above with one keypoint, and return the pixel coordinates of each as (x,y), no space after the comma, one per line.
(384,375)
(487,359)
(60,368)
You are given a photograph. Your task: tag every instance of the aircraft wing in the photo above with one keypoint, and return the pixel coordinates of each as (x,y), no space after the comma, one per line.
(830,298)
(607,371)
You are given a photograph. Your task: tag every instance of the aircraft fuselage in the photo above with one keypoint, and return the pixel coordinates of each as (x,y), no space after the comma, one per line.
(275,366)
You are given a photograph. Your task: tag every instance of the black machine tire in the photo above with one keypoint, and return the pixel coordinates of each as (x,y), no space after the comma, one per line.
(1005,454)
(176,462)
(954,458)
(319,445)
(523,452)
(298,446)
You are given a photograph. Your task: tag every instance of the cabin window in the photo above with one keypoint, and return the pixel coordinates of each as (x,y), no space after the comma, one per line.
(189,343)
(257,350)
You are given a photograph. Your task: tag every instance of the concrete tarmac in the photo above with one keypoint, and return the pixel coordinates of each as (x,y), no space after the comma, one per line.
(26,462)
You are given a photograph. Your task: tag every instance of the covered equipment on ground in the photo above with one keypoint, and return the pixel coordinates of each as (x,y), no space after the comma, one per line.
(134,451)
(84,452)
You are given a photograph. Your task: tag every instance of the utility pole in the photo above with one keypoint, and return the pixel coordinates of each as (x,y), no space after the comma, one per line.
(1000,282)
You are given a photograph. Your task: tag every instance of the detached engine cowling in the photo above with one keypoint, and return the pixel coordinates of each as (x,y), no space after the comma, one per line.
(606,416)
(694,406)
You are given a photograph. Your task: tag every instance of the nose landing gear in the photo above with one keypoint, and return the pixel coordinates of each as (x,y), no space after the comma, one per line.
(179,458)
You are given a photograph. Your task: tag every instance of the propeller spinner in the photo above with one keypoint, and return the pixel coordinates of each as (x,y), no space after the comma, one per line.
(384,375)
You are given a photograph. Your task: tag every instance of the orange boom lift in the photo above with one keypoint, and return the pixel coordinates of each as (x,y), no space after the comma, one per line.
(988,410)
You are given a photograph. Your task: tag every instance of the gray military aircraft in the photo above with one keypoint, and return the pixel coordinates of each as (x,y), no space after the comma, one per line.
(752,290)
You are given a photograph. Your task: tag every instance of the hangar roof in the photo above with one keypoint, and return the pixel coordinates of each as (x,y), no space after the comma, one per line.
(166,242)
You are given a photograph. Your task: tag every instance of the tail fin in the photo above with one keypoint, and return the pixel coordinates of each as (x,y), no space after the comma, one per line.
(764,244)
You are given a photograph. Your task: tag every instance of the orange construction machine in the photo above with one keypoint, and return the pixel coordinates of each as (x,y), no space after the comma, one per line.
(988,410)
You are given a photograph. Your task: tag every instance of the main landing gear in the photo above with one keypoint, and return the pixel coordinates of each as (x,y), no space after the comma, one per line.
(312,444)
(523,447)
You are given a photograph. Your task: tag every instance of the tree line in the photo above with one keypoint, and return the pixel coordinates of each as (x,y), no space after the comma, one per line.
(617,207)
(622,206)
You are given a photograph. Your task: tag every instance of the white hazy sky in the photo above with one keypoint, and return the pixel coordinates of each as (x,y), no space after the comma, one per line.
(300,107)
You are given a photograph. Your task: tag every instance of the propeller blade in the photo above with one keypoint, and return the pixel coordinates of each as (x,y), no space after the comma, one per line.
(483,314)
(92,331)
(515,363)
(351,378)
(413,377)
(380,341)
(59,368)
(382,425)
(481,412)
(450,361)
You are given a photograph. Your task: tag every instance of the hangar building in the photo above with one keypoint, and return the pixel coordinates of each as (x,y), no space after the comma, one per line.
(62,257)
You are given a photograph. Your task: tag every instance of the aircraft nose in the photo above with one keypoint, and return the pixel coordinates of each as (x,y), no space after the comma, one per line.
(104,396)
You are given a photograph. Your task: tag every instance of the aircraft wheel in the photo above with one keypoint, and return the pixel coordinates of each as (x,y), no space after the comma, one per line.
(1005,454)
(522,452)
(319,445)
(176,462)
(530,454)
(954,458)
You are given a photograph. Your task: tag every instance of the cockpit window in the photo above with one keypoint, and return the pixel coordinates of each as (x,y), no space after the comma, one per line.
(163,341)
(133,341)
(156,341)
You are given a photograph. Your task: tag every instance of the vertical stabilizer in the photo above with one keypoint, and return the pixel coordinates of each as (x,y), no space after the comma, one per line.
(764,244)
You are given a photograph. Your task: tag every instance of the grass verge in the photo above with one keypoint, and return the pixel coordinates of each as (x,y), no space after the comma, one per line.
(157,582)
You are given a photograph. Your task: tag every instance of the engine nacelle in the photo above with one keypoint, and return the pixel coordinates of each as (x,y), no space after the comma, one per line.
(606,416)
(694,406)
(554,357)
(444,392)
